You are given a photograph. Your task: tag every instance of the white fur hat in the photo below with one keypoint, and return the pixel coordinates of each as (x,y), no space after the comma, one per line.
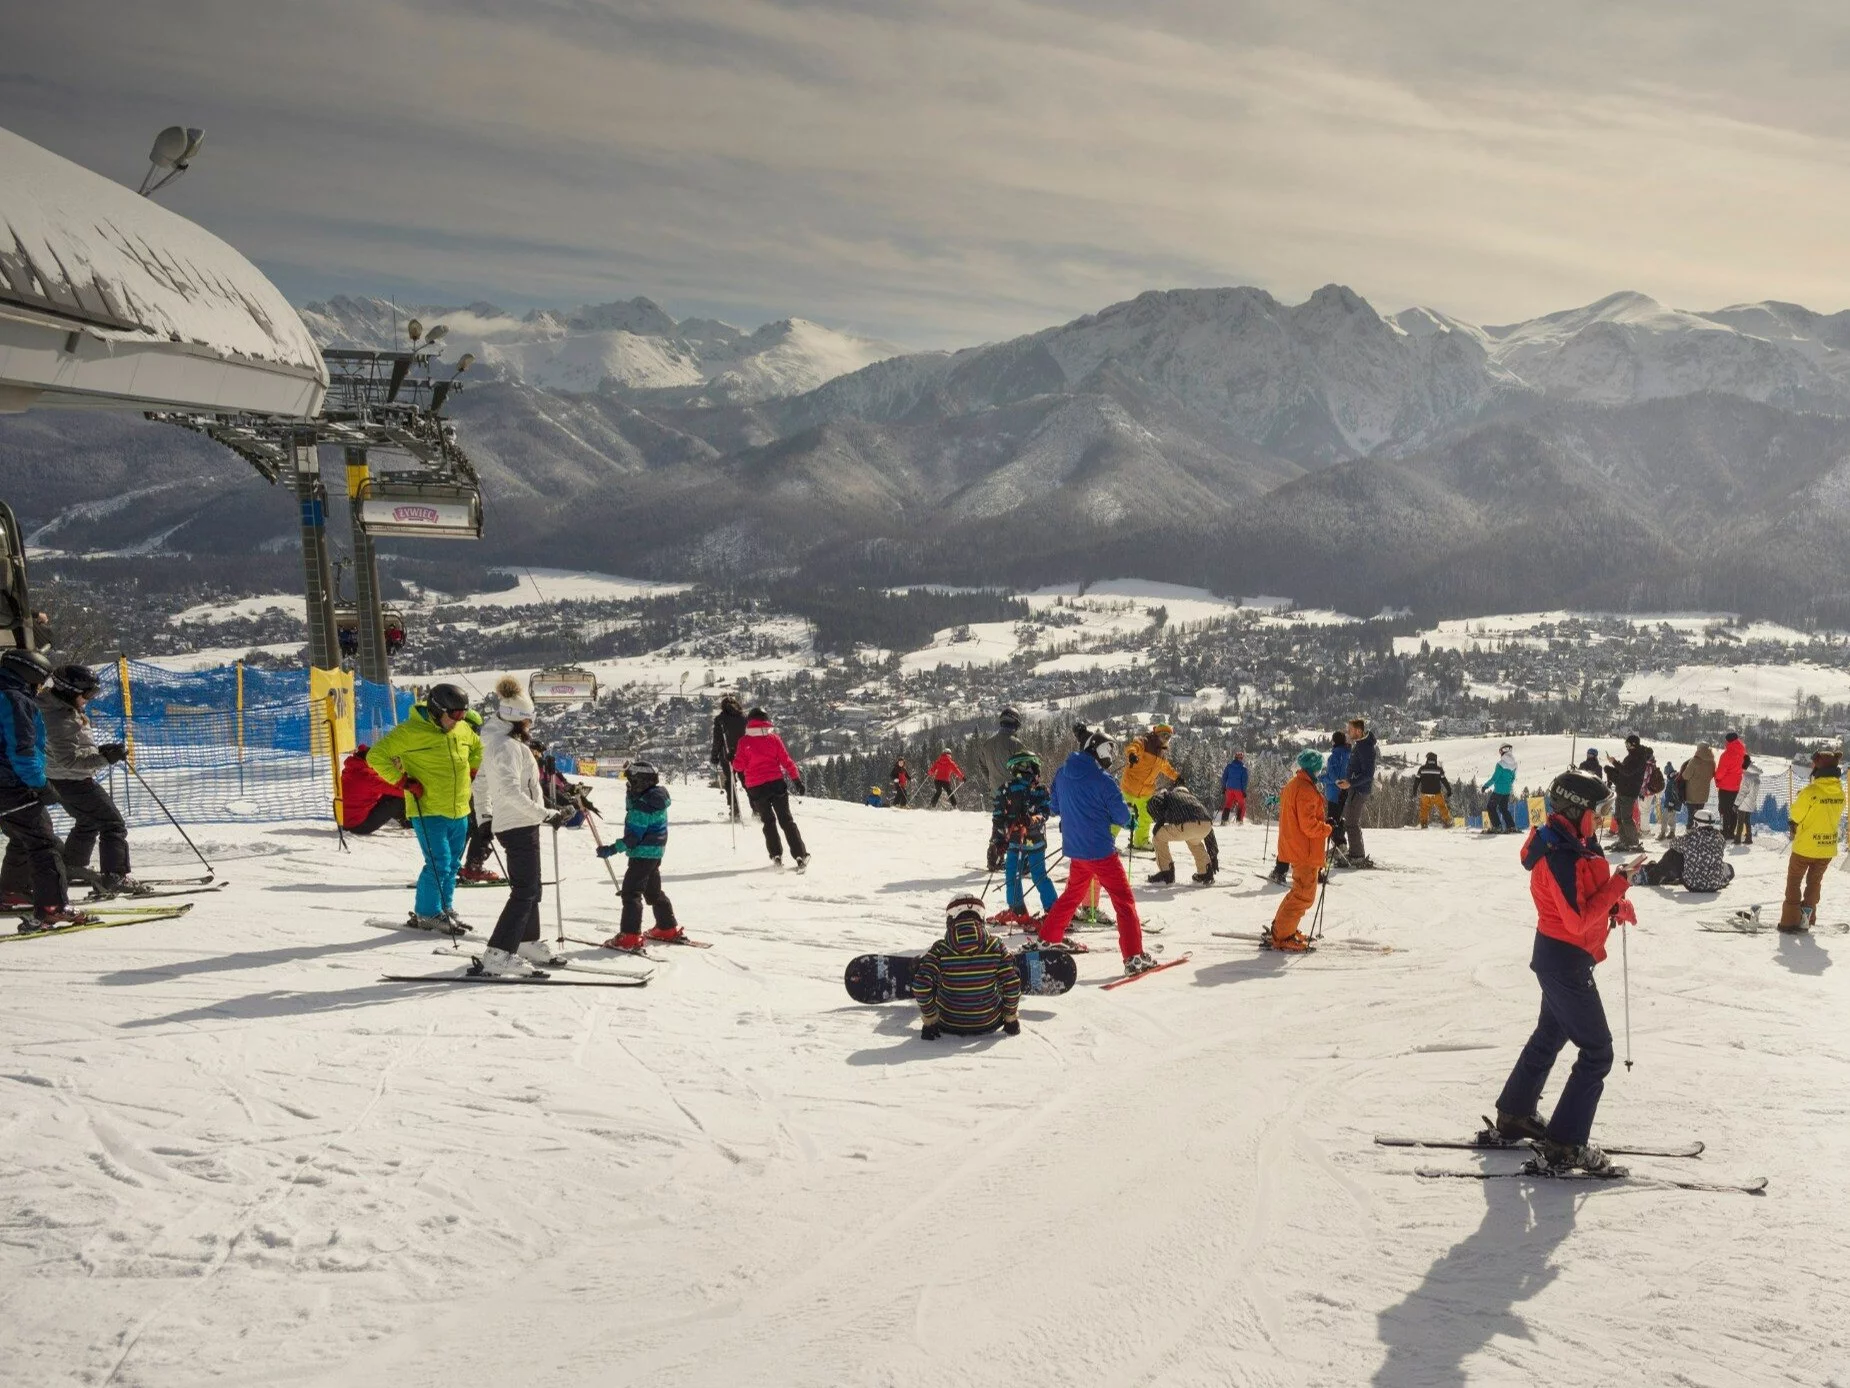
(513,705)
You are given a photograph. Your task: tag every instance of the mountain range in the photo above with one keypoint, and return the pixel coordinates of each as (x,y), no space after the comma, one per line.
(1621,454)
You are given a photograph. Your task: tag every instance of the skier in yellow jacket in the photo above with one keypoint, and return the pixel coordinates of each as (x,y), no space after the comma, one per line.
(1815,814)
(434,755)
(1145,760)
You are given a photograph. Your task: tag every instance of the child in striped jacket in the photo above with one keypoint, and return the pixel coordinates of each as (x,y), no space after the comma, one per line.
(966,984)
(645,839)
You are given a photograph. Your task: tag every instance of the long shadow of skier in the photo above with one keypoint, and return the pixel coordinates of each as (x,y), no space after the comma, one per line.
(1470,1295)
(1803,954)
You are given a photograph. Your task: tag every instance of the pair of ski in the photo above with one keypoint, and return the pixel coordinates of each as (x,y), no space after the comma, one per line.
(105,920)
(1487,1140)
(1264,941)
(153,888)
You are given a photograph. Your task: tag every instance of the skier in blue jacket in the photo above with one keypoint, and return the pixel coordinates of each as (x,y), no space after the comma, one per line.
(1089,804)
(1233,788)
(1335,768)
(1360,783)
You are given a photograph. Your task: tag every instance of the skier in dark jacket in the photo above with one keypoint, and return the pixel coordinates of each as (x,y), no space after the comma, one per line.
(966,984)
(901,776)
(1433,788)
(1179,817)
(1233,782)
(1335,769)
(25,794)
(1022,808)
(1360,783)
(1590,764)
(645,840)
(1627,778)
(728,728)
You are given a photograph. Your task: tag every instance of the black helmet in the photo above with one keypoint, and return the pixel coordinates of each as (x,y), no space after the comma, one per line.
(446,698)
(1574,793)
(75,680)
(642,776)
(1008,720)
(28,667)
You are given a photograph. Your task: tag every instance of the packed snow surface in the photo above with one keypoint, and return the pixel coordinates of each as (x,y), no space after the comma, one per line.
(1767,691)
(236,1156)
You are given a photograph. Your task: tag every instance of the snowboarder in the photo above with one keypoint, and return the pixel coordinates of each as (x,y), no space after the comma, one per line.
(901,776)
(1497,816)
(1021,810)
(1335,769)
(433,756)
(1233,781)
(72,759)
(1360,783)
(946,776)
(1146,765)
(992,762)
(1728,780)
(1303,830)
(25,793)
(510,782)
(368,802)
(1627,779)
(1180,818)
(763,763)
(1698,780)
(1578,899)
(1433,787)
(1746,801)
(728,728)
(1814,815)
(645,839)
(966,984)
(1090,805)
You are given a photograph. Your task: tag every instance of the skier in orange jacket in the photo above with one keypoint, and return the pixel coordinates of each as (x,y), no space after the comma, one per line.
(1303,833)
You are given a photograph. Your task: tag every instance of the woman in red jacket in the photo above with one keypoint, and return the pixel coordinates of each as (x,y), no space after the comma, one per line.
(943,771)
(763,763)
(367,799)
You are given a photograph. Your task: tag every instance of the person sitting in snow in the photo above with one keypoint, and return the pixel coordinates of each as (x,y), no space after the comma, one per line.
(645,840)
(1021,810)
(368,802)
(876,798)
(1180,818)
(966,984)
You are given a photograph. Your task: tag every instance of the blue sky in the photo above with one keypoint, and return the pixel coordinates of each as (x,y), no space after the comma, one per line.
(940,172)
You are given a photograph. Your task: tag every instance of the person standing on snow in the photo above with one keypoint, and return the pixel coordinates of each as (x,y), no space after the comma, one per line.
(1360,783)
(1728,780)
(1433,788)
(1180,818)
(510,781)
(1578,899)
(966,984)
(1303,830)
(1090,805)
(25,794)
(1233,780)
(763,763)
(645,839)
(433,755)
(1146,764)
(1627,778)
(1502,781)
(728,728)
(1814,817)
(1335,770)
(946,775)
(1746,801)
(992,762)
(902,779)
(72,759)
(1698,780)
(1022,808)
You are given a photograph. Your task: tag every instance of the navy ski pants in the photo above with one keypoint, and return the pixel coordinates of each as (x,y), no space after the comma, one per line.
(1571,1011)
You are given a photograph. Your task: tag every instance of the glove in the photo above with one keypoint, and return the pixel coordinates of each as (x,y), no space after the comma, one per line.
(113,752)
(1011,1027)
(799,786)
(1625,914)
(47,796)
(610,850)
(413,787)
(928,1032)
(556,820)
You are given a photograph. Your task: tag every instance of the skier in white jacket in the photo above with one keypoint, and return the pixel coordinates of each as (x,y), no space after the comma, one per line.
(508,787)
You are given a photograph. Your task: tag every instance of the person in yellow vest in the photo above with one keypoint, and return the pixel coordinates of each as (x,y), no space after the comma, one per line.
(1145,761)
(1815,814)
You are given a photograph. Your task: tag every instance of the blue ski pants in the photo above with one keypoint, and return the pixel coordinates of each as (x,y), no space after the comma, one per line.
(1033,858)
(1571,1011)
(443,841)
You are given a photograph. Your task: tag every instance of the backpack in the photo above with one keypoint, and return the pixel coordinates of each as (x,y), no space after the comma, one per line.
(1675,789)
(1654,780)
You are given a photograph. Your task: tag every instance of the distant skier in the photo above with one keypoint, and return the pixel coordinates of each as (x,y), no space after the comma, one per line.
(1578,899)
(368,802)
(728,728)
(1021,811)
(1497,816)
(1303,830)
(1089,804)
(1674,787)
(1433,787)
(1233,782)
(1360,783)
(432,756)
(72,760)
(510,782)
(645,839)
(31,846)
(992,760)
(1728,780)
(901,776)
(764,763)
(1180,818)
(966,984)
(1146,765)
(946,776)
(1814,816)
(1747,801)
(1335,795)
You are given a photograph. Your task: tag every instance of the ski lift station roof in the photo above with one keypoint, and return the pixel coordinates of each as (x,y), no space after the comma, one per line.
(109,300)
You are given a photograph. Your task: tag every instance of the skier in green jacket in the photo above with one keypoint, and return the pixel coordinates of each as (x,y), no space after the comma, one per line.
(434,755)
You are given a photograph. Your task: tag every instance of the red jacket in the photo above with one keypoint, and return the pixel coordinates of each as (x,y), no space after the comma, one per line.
(361,787)
(1728,765)
(1573,886)
(944,768)
(761,756)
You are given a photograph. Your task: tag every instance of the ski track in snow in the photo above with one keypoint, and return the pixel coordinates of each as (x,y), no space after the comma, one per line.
(233,1156)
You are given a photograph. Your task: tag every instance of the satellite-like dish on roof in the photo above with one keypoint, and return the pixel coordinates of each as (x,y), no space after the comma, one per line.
(173,150)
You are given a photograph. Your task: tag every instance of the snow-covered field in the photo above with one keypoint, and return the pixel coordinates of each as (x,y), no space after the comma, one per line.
(234,1156)
(1523,629)
(1768,691)
(569,585)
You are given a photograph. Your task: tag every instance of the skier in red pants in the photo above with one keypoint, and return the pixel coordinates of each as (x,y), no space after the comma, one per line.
(1089,803)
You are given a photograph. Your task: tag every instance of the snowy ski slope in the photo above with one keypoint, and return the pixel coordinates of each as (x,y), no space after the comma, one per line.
(233,1156)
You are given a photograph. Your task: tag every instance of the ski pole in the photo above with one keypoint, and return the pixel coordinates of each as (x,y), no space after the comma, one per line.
(1625,971)
(1323,890)
(558,895)
(211,871)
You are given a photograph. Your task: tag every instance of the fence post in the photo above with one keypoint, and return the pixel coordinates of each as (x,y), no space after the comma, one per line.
(128,731)
(239,666)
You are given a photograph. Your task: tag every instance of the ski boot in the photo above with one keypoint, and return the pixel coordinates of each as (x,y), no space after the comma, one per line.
(498,963)
(15,901)
(1165,878)
(777,861)
(541,952)
(56,918)
(1139,964)
(1806,913)
(1554,1158)
(1511,1128)
(802,863)
(1203,879)
(1281,875)
(628,944)
(477,874)
(1069,946)
(454,923)
(437,925)
(118,884)
(667,935)
(1294,943)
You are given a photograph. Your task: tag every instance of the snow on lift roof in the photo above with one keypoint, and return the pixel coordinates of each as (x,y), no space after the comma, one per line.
(109,300)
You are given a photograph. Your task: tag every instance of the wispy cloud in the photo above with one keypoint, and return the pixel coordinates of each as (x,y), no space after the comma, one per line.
(941,171)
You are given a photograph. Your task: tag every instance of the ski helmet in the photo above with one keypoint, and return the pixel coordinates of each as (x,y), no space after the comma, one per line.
(964,908)
(1574,793)
(446,698)
(28,667)
(642,777)
(1025,762)
(1008,720)
(1311,760)
(75,681)
(757,714)
(1102,748)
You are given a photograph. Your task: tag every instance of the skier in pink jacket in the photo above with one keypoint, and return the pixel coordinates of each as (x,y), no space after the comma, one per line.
(763,763)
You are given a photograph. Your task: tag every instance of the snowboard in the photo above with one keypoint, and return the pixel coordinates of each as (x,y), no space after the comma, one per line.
(1761,920)
(883,977)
